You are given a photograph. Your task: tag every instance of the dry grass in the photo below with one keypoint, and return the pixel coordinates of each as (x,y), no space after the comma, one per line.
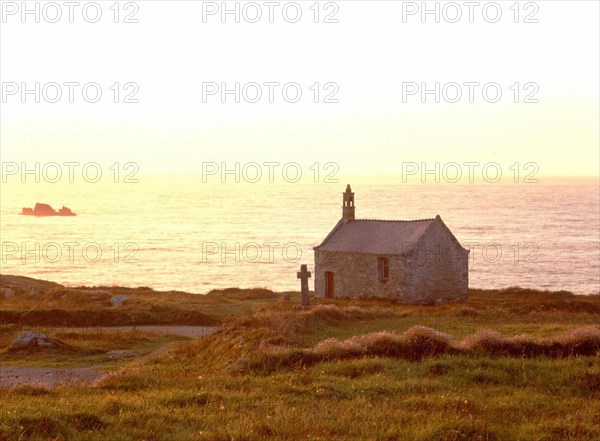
(342,369)
(580,341)
(421,342)
(81,347)
(39,303)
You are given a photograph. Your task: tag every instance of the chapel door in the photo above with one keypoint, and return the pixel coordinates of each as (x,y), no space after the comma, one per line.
(329,284)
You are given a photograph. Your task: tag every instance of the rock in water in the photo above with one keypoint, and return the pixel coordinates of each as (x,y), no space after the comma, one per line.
(118,300)
(43,210)
(33,340)
(46,210)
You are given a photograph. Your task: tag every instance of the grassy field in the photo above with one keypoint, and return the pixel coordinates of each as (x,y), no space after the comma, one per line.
(34,302)
(85,347)
(341,370)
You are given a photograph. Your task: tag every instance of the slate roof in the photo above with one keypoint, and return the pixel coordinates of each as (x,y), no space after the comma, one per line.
(375,236)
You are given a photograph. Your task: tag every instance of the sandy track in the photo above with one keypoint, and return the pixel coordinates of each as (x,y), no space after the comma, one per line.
(15,376)
(185,331)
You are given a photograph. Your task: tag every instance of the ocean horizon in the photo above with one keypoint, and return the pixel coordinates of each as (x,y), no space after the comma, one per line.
(179,233)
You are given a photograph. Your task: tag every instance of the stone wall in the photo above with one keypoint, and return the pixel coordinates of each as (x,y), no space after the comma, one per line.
(357,275)
(438,269)
(435,271)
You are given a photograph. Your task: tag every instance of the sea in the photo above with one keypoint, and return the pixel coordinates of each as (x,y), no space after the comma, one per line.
(182,232)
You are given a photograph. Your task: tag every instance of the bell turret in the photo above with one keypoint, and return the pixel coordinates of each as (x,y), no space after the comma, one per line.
(348,205)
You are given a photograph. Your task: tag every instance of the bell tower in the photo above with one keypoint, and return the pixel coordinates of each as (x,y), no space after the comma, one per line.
(348,205)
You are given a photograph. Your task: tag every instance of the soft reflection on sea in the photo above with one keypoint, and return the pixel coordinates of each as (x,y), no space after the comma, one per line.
(179,233)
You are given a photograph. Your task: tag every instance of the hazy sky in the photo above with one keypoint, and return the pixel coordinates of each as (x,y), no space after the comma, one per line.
(370,55)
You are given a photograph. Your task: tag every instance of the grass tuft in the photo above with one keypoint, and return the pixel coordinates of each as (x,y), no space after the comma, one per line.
(461,431)
(127,381)
(32,391)
(38,426)
(420,342)
(86,422)
(187,400)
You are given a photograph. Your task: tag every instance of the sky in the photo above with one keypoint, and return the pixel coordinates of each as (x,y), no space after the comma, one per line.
(372,60)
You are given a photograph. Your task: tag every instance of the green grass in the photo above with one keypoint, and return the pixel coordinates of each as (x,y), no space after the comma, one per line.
(202,389)
(446,398)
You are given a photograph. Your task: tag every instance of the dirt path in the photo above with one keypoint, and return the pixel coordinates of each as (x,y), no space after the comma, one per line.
(185,331)
(15,376)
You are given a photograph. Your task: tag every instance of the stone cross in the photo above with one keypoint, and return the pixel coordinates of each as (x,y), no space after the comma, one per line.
(304,275)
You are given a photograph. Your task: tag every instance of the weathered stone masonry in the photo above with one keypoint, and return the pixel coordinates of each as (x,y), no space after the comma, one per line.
(423,261)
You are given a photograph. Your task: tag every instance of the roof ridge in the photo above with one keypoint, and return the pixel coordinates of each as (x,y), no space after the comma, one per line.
(396,220)
(335,228)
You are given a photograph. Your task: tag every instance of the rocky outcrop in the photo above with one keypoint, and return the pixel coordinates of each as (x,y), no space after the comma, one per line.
(7,293)
(118,300)
(34,340)
(47,210)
